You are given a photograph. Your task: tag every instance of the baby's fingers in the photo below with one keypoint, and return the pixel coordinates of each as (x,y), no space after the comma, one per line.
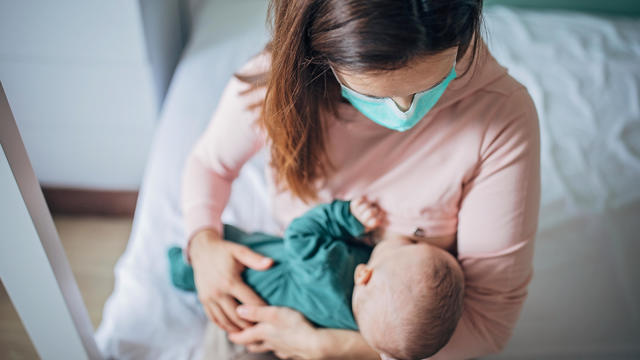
(368,214)
(355,204)
(363,206)
(376,220)
(358,201)
(370,223)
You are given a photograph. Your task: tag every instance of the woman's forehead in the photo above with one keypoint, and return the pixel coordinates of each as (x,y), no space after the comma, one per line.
(418,76)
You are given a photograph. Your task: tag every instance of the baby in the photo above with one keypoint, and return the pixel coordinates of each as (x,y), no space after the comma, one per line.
(405,297)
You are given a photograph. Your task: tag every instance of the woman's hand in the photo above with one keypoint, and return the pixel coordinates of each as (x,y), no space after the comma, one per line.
(289,335)
(279,329)
(217,266)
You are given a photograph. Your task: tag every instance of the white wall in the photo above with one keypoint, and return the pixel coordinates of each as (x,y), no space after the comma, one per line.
(86,80)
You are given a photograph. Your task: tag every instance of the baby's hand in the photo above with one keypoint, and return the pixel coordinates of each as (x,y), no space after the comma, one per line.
(368,213)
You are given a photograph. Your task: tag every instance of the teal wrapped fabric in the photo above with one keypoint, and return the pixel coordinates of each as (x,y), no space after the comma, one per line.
(610,7)
(313,264)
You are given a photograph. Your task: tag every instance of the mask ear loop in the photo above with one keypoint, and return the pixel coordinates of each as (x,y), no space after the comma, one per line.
(355,93)
(335,76)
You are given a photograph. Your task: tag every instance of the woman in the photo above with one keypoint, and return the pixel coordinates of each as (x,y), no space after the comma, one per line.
(398,100)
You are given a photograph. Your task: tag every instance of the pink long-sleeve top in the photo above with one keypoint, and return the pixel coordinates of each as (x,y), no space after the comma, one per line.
(466,178)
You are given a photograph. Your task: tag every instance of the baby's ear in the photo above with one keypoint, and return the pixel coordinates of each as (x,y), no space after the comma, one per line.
(362,274)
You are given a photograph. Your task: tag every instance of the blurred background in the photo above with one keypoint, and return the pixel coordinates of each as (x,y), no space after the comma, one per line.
(110,96)
(86,82)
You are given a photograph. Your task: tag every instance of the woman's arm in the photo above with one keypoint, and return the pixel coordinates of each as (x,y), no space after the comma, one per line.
(213,164)
(497,223)
(217,157)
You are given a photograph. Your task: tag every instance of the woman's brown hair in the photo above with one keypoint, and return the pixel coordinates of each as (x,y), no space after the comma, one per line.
(308,36)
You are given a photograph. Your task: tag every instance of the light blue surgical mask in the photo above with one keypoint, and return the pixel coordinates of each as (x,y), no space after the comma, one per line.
(385,112)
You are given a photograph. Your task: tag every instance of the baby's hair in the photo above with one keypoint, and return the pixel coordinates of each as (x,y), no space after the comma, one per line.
(428,316)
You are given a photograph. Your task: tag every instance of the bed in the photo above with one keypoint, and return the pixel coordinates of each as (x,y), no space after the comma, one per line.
(582,70)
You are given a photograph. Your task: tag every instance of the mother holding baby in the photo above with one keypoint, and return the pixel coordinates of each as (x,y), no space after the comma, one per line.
(398,100)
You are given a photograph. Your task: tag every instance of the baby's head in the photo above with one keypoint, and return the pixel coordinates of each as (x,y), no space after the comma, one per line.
(408,298)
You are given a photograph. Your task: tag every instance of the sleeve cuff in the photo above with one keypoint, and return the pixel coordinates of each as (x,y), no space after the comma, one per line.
(351,223)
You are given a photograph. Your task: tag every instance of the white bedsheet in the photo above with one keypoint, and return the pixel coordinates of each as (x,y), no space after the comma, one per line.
(583,74)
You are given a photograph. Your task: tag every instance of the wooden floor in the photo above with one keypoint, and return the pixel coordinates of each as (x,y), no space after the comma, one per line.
(93,245)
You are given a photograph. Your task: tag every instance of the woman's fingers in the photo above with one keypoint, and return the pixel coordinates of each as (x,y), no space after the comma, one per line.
(250,258)
(210,315)
(245,294)
(259,313)
(221,319)
(258,348)
(251,335)
(228,306)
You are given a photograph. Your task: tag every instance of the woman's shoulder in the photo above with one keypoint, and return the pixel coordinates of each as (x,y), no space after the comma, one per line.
(508,120)
(514,104)
(257,65)
(246,88)
(488,95)
(492,100)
